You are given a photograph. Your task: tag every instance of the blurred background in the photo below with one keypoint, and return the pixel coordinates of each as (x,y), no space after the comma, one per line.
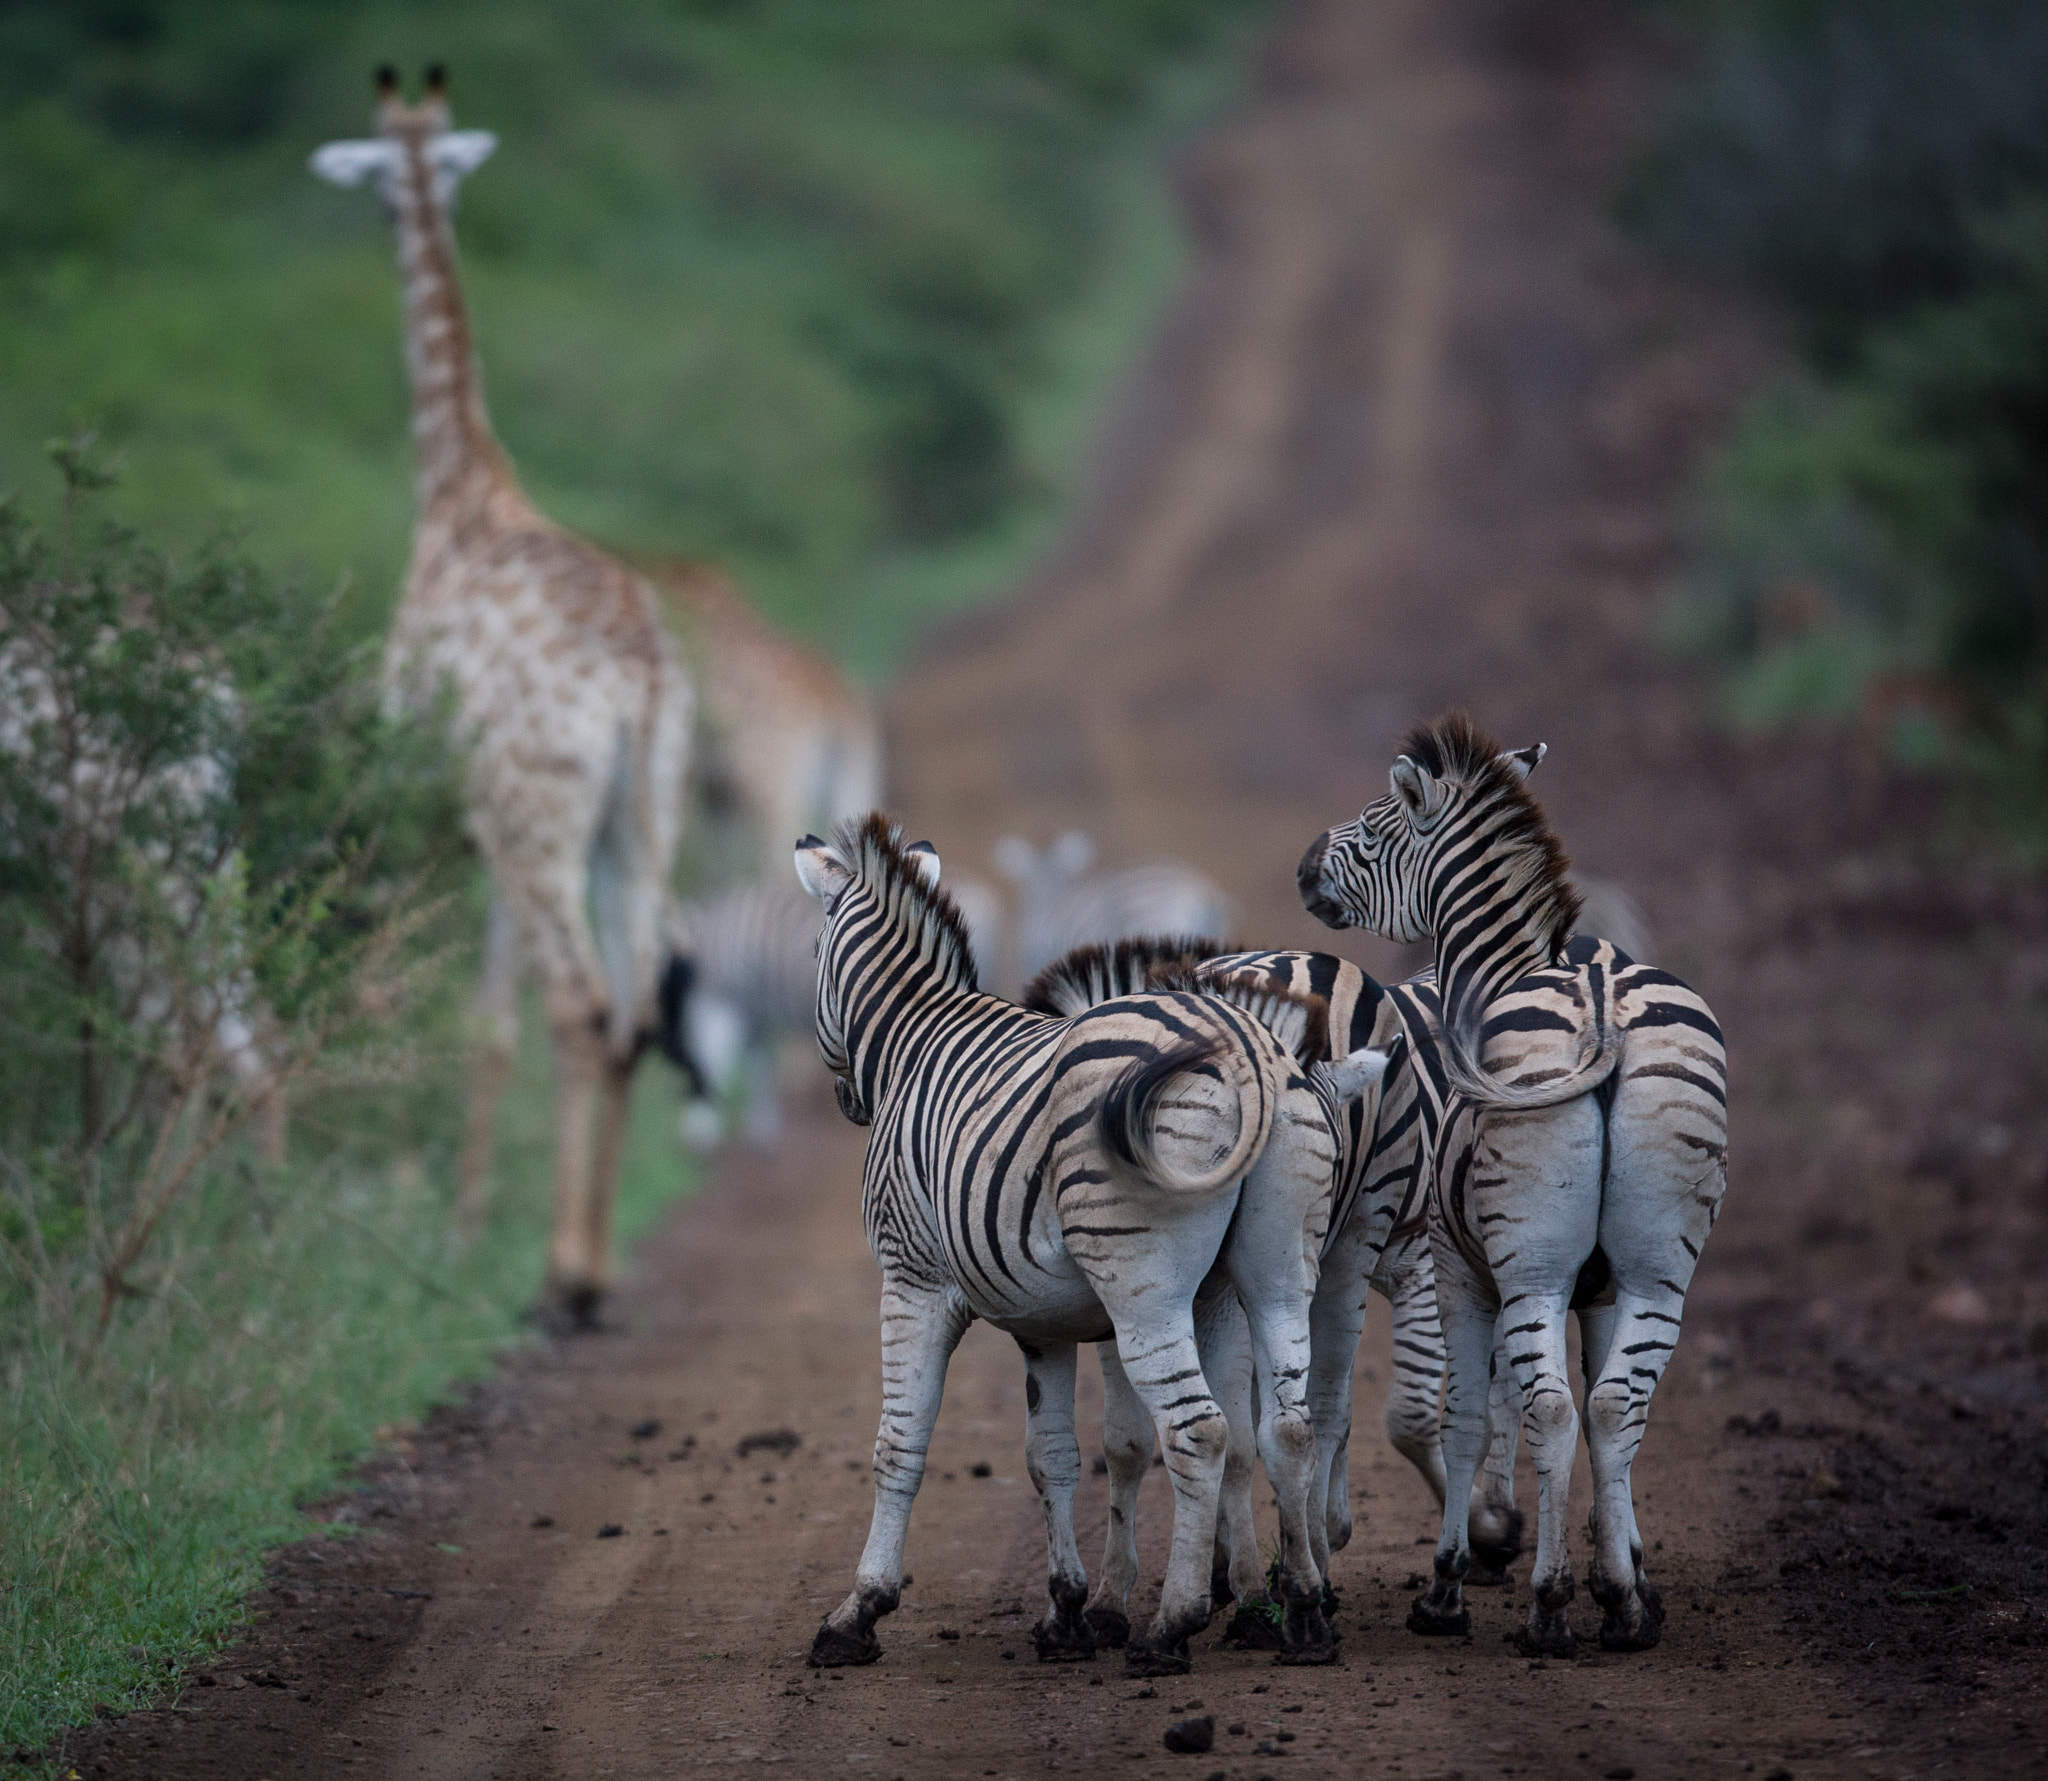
(1157,405)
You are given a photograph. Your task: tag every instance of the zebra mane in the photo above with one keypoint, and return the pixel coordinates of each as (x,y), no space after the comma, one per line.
(1090,975)
(874,850)
(1455,748)
(1100,973)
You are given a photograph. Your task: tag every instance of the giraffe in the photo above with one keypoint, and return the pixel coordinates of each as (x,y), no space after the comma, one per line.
(568,695)
(784,737)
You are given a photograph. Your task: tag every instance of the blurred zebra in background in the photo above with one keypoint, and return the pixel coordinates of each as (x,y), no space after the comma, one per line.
(738,984)
(1060,905)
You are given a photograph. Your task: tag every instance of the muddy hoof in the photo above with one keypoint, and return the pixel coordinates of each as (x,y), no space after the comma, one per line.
(1552,1638)
(1436,1623)
(1617,1635)
(1256,1626)
(835,1650)
(1141,1659)
(1111,1627)
(1307,1656)
(1063,1642)
(1329,1599)
(1221,1595)
(577,1309)
(1653,1603)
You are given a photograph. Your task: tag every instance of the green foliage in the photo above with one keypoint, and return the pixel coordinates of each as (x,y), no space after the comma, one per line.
(822,292)
(1874,539)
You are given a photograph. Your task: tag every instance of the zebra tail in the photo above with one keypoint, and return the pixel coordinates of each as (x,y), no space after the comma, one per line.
(1471,1079)
(1349,1077)
(1130,1119)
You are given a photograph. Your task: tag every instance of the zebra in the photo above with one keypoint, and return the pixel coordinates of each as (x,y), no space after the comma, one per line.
(1060,906)
(1376,1242)
(741,975)
(1070,1180)
(1575,1110)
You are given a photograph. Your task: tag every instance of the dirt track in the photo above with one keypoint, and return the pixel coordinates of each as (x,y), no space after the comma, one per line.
(1410,439)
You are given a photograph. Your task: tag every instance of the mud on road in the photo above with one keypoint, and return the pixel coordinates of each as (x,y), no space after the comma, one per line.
(1412,437)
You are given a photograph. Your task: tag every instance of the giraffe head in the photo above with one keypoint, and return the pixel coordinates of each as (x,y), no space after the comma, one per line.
(417,158)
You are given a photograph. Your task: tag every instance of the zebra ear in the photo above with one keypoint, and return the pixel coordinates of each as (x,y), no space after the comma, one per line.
(1013,857)
(1522,761)
(927,857)
(1073,853)
(820,870)
(1421,793)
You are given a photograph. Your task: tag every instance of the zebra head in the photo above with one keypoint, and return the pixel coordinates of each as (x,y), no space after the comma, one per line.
(1379,872)
(884,920)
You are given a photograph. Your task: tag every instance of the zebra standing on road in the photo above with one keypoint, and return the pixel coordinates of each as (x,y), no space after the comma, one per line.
(1376,1243)
(1069,1180)
(1579,1151)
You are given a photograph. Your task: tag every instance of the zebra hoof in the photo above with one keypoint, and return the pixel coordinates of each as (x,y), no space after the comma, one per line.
(1496,1548)
(1308,1656)
(1063,1642)
(836,1650)
(1111,1627)
(1141,1659)
(1256,1626)
(1485,1575)
(1438,1623)
(1329,1600)
(1221,1595)
(1653,1603)
(1549,1636)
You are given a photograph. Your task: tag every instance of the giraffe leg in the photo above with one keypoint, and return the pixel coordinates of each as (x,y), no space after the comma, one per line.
(1127,1445)
(495,1018)
(1053,1459)
(576,1275)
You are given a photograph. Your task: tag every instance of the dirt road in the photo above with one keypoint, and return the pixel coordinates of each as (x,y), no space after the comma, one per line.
(1411,438)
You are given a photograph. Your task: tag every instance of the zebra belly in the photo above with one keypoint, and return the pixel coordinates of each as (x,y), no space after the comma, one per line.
(1046,1304)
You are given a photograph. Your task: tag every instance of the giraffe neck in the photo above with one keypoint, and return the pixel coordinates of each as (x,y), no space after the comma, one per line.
(1496,918)
(458,464)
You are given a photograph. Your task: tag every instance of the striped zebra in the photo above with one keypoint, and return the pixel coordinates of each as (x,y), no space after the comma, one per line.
(741,977)
(1576,1116)
(1376,1243)
(1061,905)
(1070,1180)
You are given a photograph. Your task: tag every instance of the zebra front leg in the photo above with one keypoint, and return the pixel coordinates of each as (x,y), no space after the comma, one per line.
(1053,1458)
(1467,1311)
(1496,1522)
(1128,1443)
(920,1329)
(1164,1367)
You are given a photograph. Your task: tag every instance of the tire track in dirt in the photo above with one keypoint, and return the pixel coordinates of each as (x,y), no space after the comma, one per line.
(1410,437)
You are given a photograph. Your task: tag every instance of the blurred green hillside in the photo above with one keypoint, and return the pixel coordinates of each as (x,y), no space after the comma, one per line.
(828,293)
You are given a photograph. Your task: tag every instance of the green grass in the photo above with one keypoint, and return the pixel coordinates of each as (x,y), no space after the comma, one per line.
(287,1320)
(832,295)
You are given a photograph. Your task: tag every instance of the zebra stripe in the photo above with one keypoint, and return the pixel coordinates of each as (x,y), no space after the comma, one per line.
(1067,1180)
(1575,1125)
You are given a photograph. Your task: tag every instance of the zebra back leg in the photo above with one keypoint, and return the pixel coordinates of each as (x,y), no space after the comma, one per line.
(1336,1321)
(1663,1196)
(1273,1255)
(920,1330)
(1534,1188)
(1468,1309)
(1053,1458)
(1238,1574)
(1496,1522)
(1416,1388)
(1128,1443)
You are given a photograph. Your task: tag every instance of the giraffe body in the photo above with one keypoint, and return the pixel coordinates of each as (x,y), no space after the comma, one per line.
(569,696)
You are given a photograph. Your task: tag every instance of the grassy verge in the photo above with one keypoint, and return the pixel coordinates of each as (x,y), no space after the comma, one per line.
(288,1318)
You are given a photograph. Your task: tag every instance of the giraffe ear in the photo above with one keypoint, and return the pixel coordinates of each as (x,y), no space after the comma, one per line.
(927,858)
(1422,795)
(457,153)
(1521,762)
(350,163)
(821,871)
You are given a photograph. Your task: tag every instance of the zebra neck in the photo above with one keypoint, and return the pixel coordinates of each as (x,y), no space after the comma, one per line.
(1490,932)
